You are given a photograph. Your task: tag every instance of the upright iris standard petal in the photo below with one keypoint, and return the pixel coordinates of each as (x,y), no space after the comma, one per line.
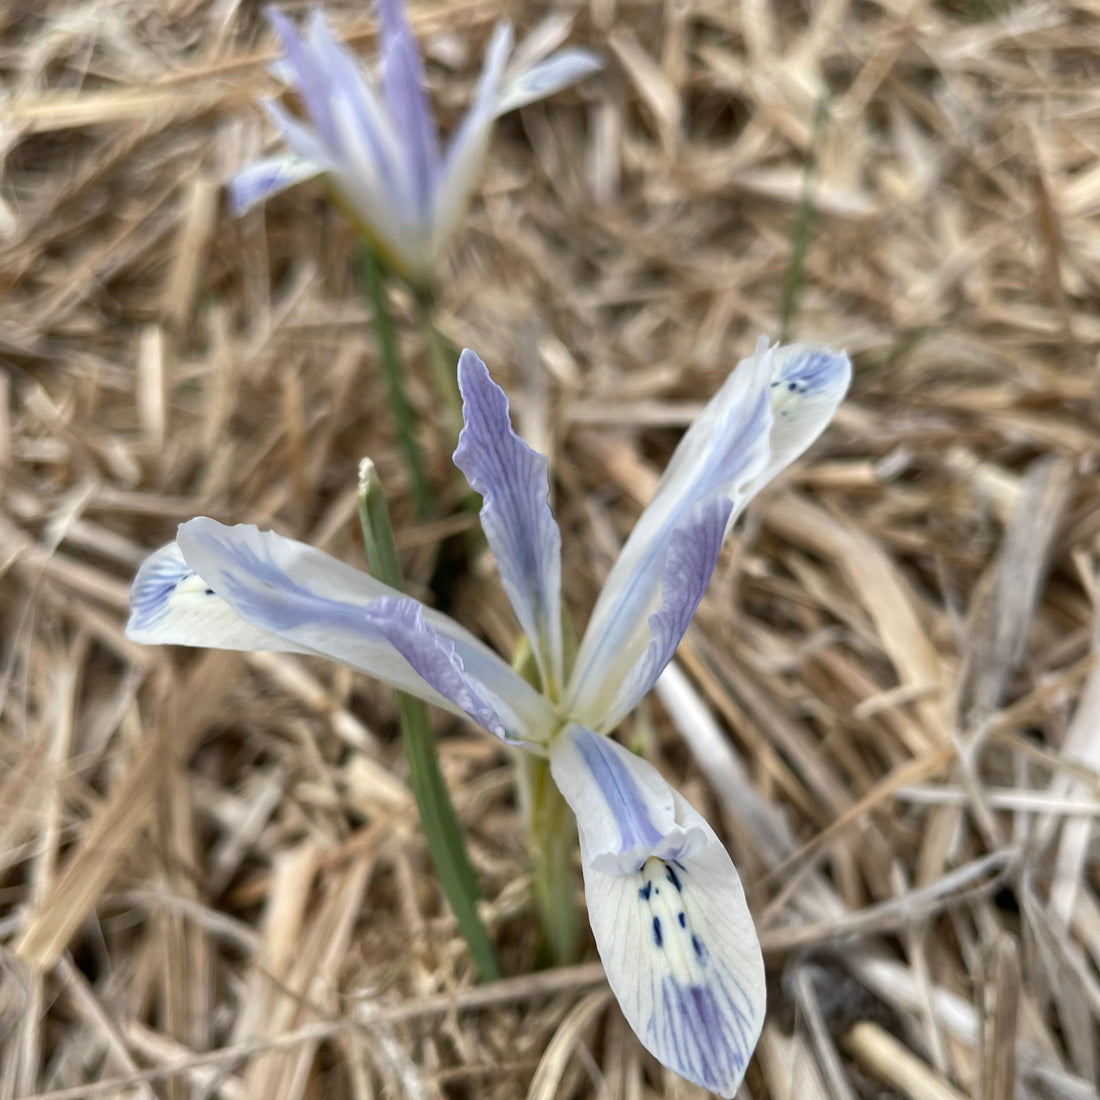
(355,107)
(381,152)
(721,454)
(309,79)
(468,143)
(545,78)
(515,515)
(316,604)
(768,412)
(667,911)
(403,84)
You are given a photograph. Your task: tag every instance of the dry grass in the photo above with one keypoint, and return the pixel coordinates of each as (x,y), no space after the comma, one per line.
(213,884)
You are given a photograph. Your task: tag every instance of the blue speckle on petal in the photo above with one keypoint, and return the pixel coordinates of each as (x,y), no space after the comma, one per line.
(657,931)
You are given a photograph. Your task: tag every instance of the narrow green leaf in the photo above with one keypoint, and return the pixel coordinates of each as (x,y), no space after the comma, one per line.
(433,801)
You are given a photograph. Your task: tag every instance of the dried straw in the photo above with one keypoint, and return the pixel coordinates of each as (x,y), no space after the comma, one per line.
(213,883)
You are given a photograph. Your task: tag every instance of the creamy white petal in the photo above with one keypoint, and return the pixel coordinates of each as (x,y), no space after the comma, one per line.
(768,412)
(545,78)
(318,604)
(171,605)
(469,142)
(667,910)
(720,457)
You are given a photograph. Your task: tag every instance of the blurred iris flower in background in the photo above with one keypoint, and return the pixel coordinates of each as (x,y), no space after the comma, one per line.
(664,899)
(377,142)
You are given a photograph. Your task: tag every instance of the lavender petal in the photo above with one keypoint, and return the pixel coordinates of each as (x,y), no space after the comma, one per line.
(515,515)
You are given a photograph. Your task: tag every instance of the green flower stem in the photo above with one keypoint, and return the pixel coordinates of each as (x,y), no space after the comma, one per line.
(551,839)
(552,835)
(373,277)
(433,802)
(442,358)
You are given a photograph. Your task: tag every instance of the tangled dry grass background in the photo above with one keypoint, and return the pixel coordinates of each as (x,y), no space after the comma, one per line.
(213,883)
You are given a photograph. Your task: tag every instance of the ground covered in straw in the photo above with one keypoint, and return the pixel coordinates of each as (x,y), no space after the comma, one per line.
(213,883)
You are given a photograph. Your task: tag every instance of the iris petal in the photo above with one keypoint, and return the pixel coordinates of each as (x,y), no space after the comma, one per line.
(771,408)
(557,71)
(314,603)
(403,84)
(720,456)
(667,910)
(515,515)
(259,181)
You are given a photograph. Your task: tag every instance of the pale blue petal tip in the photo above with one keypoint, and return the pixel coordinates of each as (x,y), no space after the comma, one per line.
(708,1029)
(157,578)
(807,370)
(546,77)
(257,182)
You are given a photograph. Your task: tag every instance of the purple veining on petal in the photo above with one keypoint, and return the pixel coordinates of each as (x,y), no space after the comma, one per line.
(310,79)
(514,484)
(278,603)
(400,620)
(736,447)
(403,85)
(730,453)
(804,368)
(692,555)
(807,384)
(626,812)
(159,576)
(708,1035)
(262,593)
(636,831)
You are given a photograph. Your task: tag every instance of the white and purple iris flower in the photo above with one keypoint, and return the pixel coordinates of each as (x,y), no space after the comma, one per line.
(377,143)
(665,902)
